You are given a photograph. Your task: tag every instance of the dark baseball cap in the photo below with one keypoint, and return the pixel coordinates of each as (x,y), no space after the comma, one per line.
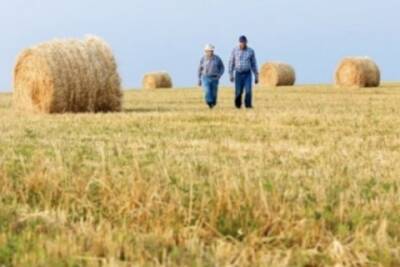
(243,39)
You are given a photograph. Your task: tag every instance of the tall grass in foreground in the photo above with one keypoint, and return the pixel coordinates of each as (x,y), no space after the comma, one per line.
(310,177)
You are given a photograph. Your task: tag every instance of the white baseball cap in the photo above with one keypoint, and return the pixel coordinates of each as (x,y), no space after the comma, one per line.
(209,47)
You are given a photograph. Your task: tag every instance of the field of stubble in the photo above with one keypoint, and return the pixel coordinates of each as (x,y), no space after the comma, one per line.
(310,177)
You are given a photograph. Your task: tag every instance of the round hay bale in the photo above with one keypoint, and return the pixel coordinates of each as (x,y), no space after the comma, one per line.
(155,80)
(357,72)
(67,76)
(277,74)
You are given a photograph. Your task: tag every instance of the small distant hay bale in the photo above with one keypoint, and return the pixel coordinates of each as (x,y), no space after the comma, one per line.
(155,80)
(67,76)
(277,74)
(357,72)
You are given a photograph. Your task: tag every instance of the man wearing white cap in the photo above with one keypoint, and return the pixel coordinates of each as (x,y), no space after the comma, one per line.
(210,72)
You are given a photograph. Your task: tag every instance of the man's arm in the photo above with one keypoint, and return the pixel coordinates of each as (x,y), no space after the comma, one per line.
(221,68)
(232,64)
(254,66)
(200,70)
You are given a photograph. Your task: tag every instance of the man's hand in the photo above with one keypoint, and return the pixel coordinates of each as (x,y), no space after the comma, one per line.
(200,83)
(256,80)
(232,79)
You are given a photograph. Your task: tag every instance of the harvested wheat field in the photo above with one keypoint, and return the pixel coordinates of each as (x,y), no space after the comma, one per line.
(310,177)
(67,76)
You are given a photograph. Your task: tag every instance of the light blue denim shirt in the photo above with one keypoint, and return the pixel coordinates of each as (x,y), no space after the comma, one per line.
(211,67)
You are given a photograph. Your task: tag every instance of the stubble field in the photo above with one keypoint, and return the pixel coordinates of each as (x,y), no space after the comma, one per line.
(310,177)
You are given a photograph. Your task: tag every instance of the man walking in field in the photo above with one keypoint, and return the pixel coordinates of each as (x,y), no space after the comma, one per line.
(210,72)
(241,66)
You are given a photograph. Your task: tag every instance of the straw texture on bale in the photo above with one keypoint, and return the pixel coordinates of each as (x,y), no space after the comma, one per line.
(67,76)
(357,72)
(156,80)
(277,74)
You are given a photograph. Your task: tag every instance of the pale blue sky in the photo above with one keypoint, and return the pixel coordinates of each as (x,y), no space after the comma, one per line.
(169,35)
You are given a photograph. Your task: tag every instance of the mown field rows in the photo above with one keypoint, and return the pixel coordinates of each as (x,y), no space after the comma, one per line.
(310,177)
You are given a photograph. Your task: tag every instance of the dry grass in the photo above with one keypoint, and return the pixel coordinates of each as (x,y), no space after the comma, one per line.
(310,177)
(67,76)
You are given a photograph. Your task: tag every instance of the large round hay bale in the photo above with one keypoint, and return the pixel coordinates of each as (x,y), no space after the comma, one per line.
(155,80)
(68,76)
(277,74)
(357,72)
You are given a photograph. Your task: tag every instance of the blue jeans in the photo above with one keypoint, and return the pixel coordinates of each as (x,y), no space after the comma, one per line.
(243,83)
(210,85)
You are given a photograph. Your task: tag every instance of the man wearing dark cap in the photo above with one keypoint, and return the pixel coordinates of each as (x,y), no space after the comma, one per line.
(241,66)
